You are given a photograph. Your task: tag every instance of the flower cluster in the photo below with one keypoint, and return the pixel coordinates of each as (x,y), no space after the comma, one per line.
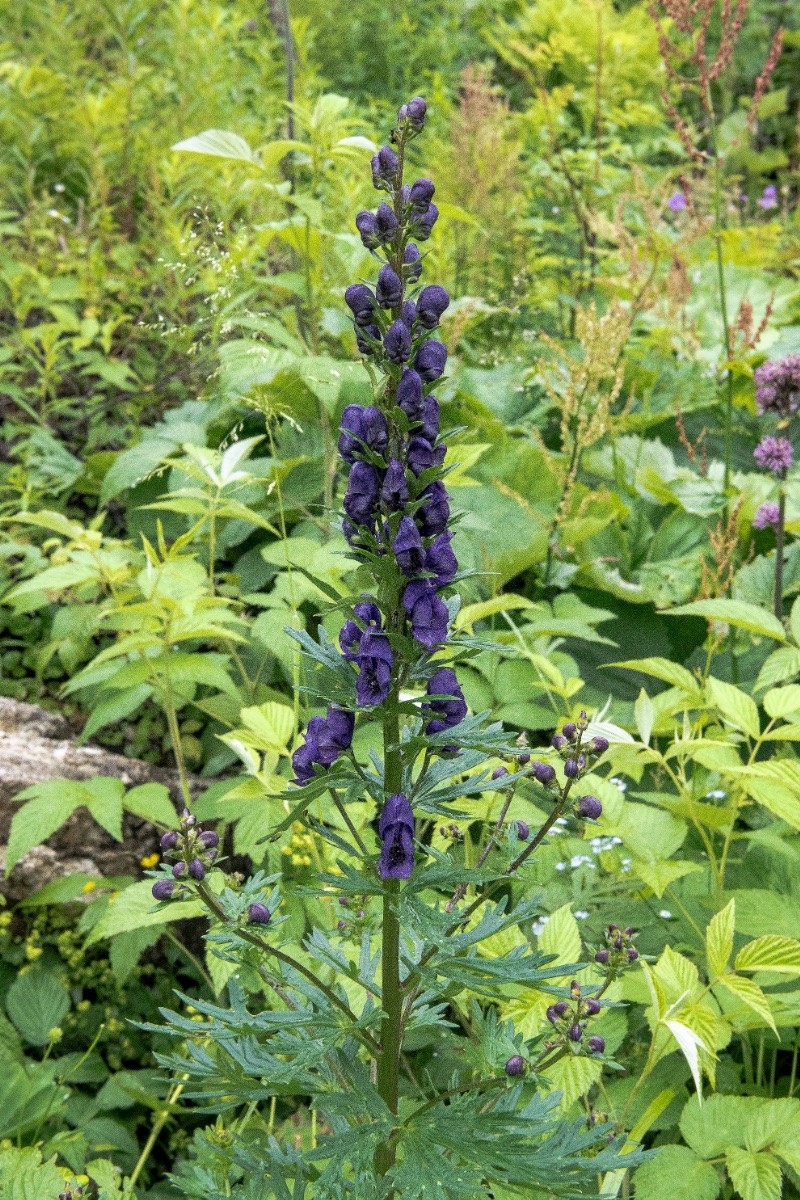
(778,387)
(774,454)
(194,851)
(618,951)
(396,507)
(577,757)
(569,1018)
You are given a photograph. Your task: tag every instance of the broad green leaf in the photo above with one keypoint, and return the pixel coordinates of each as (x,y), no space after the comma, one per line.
(36,1002)
(272,723)
(719,938)
(676,1173)
(783,701)
(770,953)
(561,936)
(644,714)
(767,1124)
(505,602)
(219,143)
(103,798)
(135,908)
(755,1176)
(736,706)
(710,1125)
(50,805)
(781,665)
(574,1076)
(152,802)
(664,669)
(660,874)
(750,994)
(733,612)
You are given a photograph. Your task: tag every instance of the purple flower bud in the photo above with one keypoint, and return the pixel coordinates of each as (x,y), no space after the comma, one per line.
(431,360)
(169,840)
(397,342)
(425,222)
(394,492)
(523,831)
(408,548)
(499,773)
(599,745)
(409,394)
(561,1008)
(575,1033)
(515,1065)
(389,291)
(544,773)
(433,515)
(618,943)
(590,807)
(421,455)
(558,742)
(569,730)
(384,167)
(427,612)
(524,758)
(363,489)
(571,768)
(451,708)
(629,930)
(421,194)
(602,956)
(341,925)
(362,427)
(415,112)
(361,302)
(209,839)
(633,954)
(162,889)
(196,869)
(596,1044)
(367,226)
(258,914)
(179,869)
(335,735)
(412,262)
(593,1006)
(386,224)
(441,560)
(432,302)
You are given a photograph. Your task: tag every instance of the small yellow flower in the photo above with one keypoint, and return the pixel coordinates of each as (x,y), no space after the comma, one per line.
(89,886)
(151,860)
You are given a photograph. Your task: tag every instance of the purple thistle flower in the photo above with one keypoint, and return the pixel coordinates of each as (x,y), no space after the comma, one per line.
(441,560)
(774,454)
(778,386)
(432,302)
(768,514)
(408,548)
(361,302)
(433,515)
(396,831)
(677,202)
(450,707)
(350,637)
(431,360)
(397,342)
(363,490)
(427,612)
(389,291)
(162,889)
(362,427)
(769,197)
(375,663)
(394,492)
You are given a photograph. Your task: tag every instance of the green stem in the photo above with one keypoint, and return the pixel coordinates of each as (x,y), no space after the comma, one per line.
(723,295)
(175,738)
(779,543)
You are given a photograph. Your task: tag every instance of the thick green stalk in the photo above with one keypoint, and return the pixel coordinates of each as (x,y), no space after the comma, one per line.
(779,541)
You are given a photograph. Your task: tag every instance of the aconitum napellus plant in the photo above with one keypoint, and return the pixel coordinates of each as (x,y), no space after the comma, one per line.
(384,1021)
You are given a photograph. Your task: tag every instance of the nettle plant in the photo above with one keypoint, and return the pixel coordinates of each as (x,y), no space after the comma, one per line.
(386,1022)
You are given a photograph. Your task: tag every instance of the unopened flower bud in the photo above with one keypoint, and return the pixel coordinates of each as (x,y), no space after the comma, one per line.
(499,772)
(618,943)
(571,768)
(558,741)
(430,361)
(524,758)
(179,869)
(421,194)
(415,112)
(412,262)
(389,289)
(629,930)
(602,956)
(196,869)
(169,840)
(258,914)
(596,1044)
(633,954)
(384,167)
(569,730)
(162,889)
(432,302)
(366,225)
(590,808)
(544,773)
(556,1011)
(599,745)
(209,839)
(386,224)
(397,342)
(592,1006)
(575,1033)
(523,831)
(515,1065)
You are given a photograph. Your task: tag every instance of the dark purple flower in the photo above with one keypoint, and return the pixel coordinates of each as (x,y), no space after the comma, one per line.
(258,914)
(569,731)
(523,830)
(416,109)
(593,1006)
(162,889)
(375,663)
(499,773)
(179,869)
(396,831)
(544,773)
(427,612)
(778,386)
(431,303)
(361,302)
(209,839)
(602,956)
(774,454)
(421,194)
(598,745)
(368,338)
(350,637)
(768,514)
(556,1011)
(389,291)
(590,807)
(408,314)
(425,222)
(409,394)
(408,548)
(596,1044)
(412,262)
(430,360)
(394,492)
(633,954)
(305,756)
(367,226)
(335,735)
(558,741)
(574,766)
(430,418)
(421,455)
(196,869)
(448,705)
(386,224)
(384,167)
(677,202)
(169,840)
(397,342)
(363,490)
(362,427)
(575,1032)
(441,560)
(433,515)
(515,1065)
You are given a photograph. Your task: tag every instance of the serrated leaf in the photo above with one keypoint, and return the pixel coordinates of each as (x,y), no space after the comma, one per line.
(151,802)
(135,908)
(50,805)
(782,701)
(733,612)
(770,953)
(561,936)
(710,1125)
(663,669)
(750,994)
(574,1076)
(675,1173)
(644,715)
(781,665)
(770,1121)
(220,144)
(272,723)
(719,938)
(736,707)
(755,1176)
(36,1002)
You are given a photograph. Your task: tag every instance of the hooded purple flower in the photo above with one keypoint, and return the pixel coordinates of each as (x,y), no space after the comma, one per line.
(375,662)
(335,736)
(394,492)
(396,831)
(421,455)
(368,338)
(768,514)
(431,304)
(363,489)
(367,226)
(427,612)
(384,167)
(774,454)
(409,394)
(430,360)
(451,708)
(350,637)
(397,342)
(362,425)
(441,560)
(778,387)
(389,290)
(433,515)
(386,224)
(408,548)
(421,194)
(425,222)
(677,202)
(412,262)
(361,302)
(414,112)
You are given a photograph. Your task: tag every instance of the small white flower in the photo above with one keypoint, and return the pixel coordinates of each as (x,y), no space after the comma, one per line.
(666,914)
(717,794)
(562,866)
(539,924)
(580,914)
(579,860)
(59,187)
(619,783)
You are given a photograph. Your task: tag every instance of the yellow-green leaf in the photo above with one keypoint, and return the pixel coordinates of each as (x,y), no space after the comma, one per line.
(750,994)
(782,701)
(574,1076)
(719,938)
(755,1176)
(770,953)
(734,705)
(561,936)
